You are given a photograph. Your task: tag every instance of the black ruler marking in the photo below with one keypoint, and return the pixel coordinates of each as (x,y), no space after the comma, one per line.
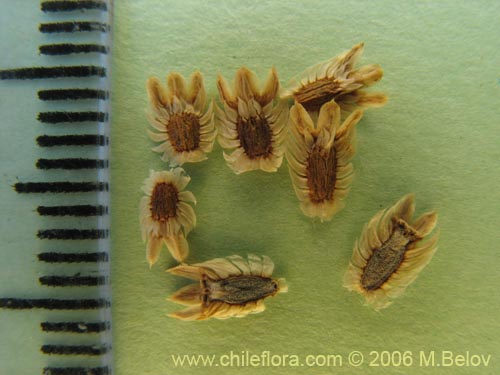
(60,187)
(71,5)
(74,349)
(53,72)
(75,327)
(72,27)
(84,71)
(56,257)
(72,140)
(71,163)
(76,371)
(72,94)
(72,234)
(70,281)
(63,116)
(70,48)
(80,210)
(54,304)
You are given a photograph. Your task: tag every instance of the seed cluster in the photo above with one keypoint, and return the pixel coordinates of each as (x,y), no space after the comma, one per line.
(312,124)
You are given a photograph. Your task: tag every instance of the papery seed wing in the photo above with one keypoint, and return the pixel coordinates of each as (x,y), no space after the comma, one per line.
(225,311)
(187,271)
(404,208)
(241,264)
(225,92)
(271,88)
(250,308)
(191,313)
(342,65)
(370,239)
(197,95)
(260,266)
(178,246)
(156,93)
(219,268)
(345,142)
(176,86)
(220,310)
(153,249)
(329,118)
(267,266)
(189,295)
(425,223)
(368,74)
(301,119)
(246,84)
(255,263)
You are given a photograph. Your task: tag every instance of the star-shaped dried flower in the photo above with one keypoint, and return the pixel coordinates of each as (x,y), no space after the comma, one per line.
(165,214)
(252,122)
(186,128)
(391,253)
(319,158)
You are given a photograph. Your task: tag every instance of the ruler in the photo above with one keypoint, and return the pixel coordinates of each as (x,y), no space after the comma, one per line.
(55,294)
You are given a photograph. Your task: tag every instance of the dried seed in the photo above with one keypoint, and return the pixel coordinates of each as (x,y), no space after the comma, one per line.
(250,122)
(240,289)
(227,287)
(186,128)
(389,254)
(319,158)
(165,214)
(336,79)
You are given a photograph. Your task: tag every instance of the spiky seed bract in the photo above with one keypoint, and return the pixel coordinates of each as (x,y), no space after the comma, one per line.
(166,215)
(390,253)
(186,128)
(319,158)
(251,122)
(227,287)
(337,79)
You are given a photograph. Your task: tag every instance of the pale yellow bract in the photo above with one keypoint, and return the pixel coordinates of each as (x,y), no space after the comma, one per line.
(390,254)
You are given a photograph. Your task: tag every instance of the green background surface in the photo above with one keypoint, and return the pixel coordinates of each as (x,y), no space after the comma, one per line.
(438,137)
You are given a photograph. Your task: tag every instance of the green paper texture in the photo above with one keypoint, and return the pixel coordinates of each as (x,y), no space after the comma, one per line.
(438,137)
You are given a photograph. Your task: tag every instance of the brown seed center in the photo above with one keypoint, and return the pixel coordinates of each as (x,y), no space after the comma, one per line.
(387,258)
(239,290)
(184,131)
(313,95)
(164,201)
(321,174)
(255,136)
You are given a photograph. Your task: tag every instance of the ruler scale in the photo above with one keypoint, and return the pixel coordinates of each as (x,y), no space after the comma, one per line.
(73,190)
